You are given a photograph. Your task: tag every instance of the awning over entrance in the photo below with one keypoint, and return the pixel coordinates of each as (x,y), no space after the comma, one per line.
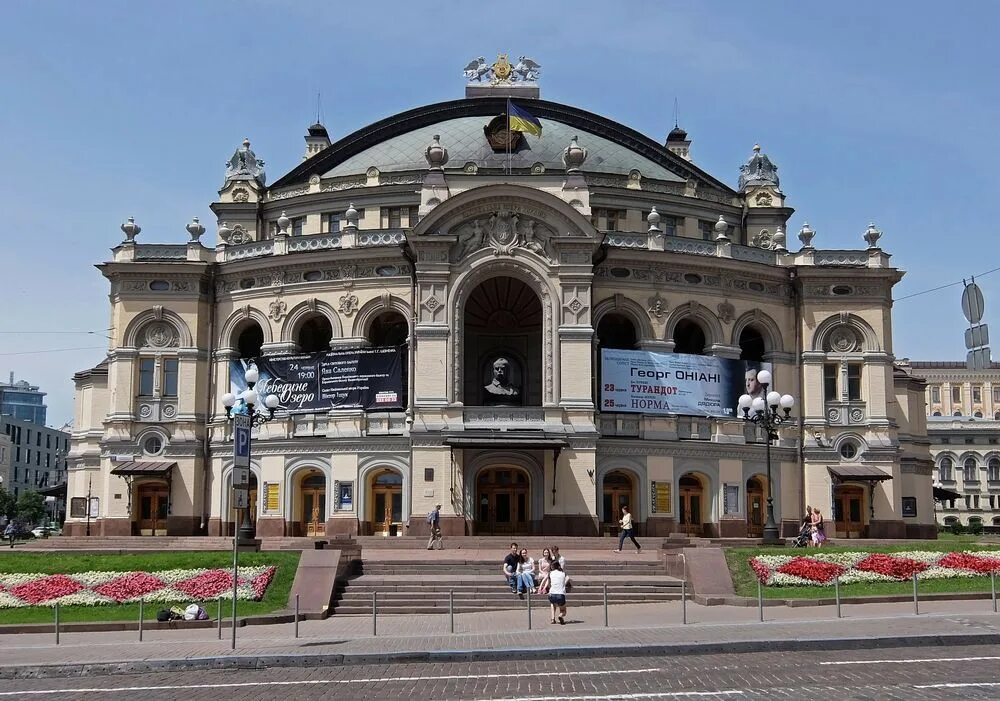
(858,473)
(942,494)
(143,469)
(58,491)
(502,441)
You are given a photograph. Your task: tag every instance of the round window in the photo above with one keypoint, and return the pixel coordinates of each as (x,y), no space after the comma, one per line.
(152,445)
(848,450)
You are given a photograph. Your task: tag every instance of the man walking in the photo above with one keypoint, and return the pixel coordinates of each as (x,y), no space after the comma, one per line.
(435,542)
(10,532)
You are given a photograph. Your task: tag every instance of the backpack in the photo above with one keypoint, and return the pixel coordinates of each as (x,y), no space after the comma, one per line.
(430,518)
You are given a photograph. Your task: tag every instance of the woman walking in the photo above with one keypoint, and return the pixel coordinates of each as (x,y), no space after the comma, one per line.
(818,536)
(558,586)
(626,532)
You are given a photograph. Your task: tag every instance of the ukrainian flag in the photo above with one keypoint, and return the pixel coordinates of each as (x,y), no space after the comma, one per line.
(522,121)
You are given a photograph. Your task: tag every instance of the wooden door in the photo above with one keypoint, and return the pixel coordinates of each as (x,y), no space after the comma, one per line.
(386,513)
(848,514)
(313,509)
(153,507)
(689,511)
(617,493)
(755,508)
(502,501)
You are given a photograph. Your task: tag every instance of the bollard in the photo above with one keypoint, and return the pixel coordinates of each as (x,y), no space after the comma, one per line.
(296,615)
(529,607)
(684,602)
(993,589)
(374,613)
(219,626)
(451,610)
(140,620)
(916,604)
(605,605)
(760,601)
(836,592)
(57,622)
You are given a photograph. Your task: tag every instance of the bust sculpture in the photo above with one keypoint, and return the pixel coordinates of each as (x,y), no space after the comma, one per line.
(501,391)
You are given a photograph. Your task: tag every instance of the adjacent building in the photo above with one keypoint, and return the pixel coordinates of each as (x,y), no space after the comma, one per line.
(963,408)
(22,401)
(37,460)
(530,330)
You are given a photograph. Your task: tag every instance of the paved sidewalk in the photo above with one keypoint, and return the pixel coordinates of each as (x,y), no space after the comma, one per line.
(637,628)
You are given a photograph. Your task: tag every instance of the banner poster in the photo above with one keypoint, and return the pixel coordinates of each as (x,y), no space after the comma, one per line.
(676,383)
(372,379)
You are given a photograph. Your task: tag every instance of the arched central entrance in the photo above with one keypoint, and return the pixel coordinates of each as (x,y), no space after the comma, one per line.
(385,511)
(503,501)
(312,519)
(502,345)
(690,511)
(755,507)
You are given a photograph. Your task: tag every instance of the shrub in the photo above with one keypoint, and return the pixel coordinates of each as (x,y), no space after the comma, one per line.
(957,528)
(976,528)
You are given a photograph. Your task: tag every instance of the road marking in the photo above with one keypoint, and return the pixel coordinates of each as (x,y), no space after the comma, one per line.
(615,697)
(915,661)
(307,682)
(956,685)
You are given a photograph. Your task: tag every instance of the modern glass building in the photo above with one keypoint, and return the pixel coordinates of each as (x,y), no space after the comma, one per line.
(22,401)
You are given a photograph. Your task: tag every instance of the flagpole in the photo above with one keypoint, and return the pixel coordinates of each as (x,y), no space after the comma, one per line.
(509,137)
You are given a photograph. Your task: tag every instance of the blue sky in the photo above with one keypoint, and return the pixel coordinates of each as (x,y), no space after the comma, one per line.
(878,111)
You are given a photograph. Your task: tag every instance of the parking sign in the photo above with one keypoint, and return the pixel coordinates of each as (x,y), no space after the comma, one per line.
(241,441)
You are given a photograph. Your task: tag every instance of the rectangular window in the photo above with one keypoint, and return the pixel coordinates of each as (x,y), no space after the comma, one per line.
(29,437)
(975,501)
(170,377)
(830,382)
(38,458)
(669,226)
(996,395)
(854,380)
(298,224)
(333,220)
(48,440)
(707,229)
(968,501)
(956,394)
(616,219)
(936,394)
(272,229)
(17,453)
(414,217)
(17,473)
(27,455)
(392,217)
(48,460)
(146,368)
(38,438)
(977,394)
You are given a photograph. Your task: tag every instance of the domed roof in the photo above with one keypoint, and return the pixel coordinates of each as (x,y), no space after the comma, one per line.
(318,129)
(677,134)
(398,143)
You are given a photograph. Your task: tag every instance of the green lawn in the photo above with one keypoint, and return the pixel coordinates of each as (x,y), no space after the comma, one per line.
(275,598)
(745,581)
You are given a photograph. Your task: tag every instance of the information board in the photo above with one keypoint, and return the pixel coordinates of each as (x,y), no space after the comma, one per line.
(660,498)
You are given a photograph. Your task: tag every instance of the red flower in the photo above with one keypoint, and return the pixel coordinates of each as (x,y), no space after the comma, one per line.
(813,570)
(207,585)
(132,585)
(46,589)
(760,569)
(975,563)
(901,568)
(261,582)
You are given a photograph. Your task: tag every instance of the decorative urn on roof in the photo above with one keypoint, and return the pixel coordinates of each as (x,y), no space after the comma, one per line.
(758,171)
(131,230)
(244,165)
(872,235)
(806,235)
(573,156)
(195,229)
(436,154)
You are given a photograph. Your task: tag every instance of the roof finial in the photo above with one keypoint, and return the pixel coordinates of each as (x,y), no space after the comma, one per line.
(677,116)
(319,107)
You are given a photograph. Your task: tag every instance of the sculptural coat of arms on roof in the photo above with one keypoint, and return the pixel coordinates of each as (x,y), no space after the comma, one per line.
(502,71)
(244,165)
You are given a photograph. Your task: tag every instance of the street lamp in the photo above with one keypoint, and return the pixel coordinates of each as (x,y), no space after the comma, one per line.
(765,414)
(250,403)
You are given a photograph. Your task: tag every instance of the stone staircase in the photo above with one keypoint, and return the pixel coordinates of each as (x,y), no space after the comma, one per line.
(123,544)
(420,586)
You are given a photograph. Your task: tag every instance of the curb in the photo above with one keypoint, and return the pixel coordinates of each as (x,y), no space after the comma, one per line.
(257,662)
(724,600)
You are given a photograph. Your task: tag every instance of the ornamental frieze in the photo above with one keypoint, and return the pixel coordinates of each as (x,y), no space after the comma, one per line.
(348,273)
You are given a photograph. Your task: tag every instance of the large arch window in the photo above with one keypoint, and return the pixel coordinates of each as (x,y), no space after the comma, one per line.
(388,329)
(945,470)
(315,334)
(157,365)
(969,470)
(689,337)
(616,331)
(249,341)
(993,470)
(751,344)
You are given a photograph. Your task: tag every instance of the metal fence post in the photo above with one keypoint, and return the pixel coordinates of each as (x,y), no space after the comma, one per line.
(140,619)
(605,604)
(296,615)
(451,610)
(529,608)
(916,604)
(220,618)
(836,592)
(760,601)
(993,589)
(684,602)
(374,613)
(57,622)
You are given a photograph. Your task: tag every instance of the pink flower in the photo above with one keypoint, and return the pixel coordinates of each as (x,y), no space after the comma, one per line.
(760,569)
(901,568)
(131,586)
(975,563)
(46,589)
(206,586)
(261,582)
(813,570)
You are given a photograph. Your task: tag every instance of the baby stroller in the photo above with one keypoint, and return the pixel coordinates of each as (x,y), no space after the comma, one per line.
(804,537)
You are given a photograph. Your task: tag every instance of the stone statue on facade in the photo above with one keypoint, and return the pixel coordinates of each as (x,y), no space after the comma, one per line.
(758,171)
(526,70)
(501,391)
(502,72)
(477,70)
(244,165)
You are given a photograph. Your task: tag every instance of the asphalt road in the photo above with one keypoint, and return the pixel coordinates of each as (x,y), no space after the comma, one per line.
(913,674)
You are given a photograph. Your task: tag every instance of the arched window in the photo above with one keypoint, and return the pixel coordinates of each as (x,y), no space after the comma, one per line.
(996,416)
(157,362)
(936,413)
(969,470)
(249,342)
(389,329)
(616,331)
(957,413)
(689,337)
(944,470)
(751,344)
(315,334)
(978,414)
(993,470)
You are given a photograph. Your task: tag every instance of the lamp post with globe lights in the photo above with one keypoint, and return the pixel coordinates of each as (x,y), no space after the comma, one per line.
(763,411)
(250,399)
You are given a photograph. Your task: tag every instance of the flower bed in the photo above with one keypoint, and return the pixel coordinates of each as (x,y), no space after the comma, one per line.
(98,588)
(821,569)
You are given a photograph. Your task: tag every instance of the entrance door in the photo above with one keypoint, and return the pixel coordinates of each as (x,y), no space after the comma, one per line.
(848,501)
(502,496)
(690,505)
(153,504)
(313,520)
(617,492)
(387,503)
(755,508)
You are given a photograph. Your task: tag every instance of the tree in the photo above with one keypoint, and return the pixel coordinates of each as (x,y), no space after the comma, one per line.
(31,507)
(8,505)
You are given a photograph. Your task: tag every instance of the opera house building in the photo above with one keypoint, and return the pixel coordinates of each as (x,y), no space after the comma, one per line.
(525,312)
